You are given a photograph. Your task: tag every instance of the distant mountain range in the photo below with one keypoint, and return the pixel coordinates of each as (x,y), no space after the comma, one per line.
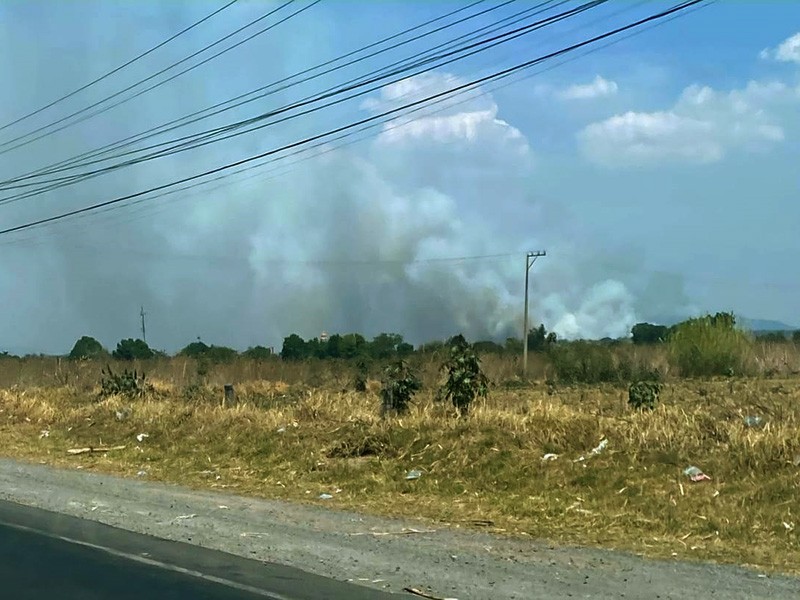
(744,322)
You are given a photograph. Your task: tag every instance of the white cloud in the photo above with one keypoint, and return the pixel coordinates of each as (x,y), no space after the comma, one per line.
(787,51)
(702,126)
(598,88)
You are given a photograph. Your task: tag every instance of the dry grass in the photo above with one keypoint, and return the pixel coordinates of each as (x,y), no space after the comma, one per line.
(290,441)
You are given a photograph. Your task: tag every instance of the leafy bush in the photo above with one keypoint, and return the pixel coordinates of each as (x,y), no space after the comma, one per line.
(361,376)
(128,383)
(644,394)
(398,387)
(465,379)
(131,349)
(585,362)
(710,345)
(87,347)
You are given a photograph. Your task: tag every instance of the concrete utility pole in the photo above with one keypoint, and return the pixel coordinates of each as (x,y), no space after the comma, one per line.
(144,333)
(530,258)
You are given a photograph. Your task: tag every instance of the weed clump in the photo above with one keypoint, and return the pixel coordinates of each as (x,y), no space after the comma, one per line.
(130,384)
(644,394)
(709,346)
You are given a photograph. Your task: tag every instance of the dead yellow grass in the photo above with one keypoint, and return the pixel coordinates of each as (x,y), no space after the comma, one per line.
(281,441)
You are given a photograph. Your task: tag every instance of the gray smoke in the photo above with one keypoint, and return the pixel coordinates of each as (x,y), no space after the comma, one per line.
(348,241)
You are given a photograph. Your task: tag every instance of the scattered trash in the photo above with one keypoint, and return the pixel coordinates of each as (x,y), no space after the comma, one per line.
(422,594)
(414,474)
(549,456)
(600,447)
(753,421)
(695,474)
(404,531)
(222,506)
(89,450)
(184,517)
(44,433)
(788,526)
(122,414)
(796,460)
(140,436)
(141,473)
(325,496)
(282,430)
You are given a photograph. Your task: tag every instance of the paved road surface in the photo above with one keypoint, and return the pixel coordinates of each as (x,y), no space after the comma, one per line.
(46,555)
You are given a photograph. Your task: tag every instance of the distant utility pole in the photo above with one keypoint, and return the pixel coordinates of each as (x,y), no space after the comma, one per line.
(144,332)
(530,258)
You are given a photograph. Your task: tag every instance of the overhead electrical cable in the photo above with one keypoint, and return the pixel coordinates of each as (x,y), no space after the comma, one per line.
(272,87)
(494,76)
(117,69)
(8,147)
(230,131)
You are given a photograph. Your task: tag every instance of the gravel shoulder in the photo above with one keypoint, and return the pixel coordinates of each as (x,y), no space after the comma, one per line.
(376,552)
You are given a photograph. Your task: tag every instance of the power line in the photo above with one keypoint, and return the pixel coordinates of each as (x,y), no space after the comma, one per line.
(327,143)
(213,136)
(494,76)
(119,68)
(4,149)
(78,161)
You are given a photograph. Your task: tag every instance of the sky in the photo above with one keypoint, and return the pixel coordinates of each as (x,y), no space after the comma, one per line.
(659,172)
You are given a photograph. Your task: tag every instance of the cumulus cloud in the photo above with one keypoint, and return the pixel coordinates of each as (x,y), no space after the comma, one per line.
(787,51)
(598,88)
(703,126)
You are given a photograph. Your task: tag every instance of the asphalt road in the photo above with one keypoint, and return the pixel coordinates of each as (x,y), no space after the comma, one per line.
(47,555)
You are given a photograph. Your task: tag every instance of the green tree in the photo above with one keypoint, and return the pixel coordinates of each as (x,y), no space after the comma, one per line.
(404,349)
(773,337)
(195,350)
(294,348)
(130,349)
(87,347)
(353,345)
(384,345)
(398,387)
(257,353)
(710,345)
(796,337)
(465,379)
(487,347)
(514,345)
(539,340)
(647,333)
(335,346)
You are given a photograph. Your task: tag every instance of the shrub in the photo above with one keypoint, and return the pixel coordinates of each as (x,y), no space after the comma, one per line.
(644,394)
(465,379)
(647,333)
(710,345)
(128,383)
(586,362)
(87,347)
(398,387)
(257,353)
(361,376)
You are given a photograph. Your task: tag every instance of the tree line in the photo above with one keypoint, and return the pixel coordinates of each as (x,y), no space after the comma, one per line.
(388,346)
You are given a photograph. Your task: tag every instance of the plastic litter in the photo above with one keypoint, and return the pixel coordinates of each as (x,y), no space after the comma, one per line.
(325,496)
(44,433)
(695,474)
(600,447)
(282,430)
(414,474)
(753,421)
(141,473)
(549,456)
(140,436)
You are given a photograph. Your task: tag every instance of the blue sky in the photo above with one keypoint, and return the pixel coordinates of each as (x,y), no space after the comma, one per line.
(660,173)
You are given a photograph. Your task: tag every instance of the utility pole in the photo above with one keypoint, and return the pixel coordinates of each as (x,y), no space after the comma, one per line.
(144,333)
(530,258)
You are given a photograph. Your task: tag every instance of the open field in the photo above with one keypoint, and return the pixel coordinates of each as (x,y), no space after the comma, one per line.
(296,441)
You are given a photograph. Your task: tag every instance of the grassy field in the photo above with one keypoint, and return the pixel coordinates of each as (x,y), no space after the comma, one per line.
(295,433)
